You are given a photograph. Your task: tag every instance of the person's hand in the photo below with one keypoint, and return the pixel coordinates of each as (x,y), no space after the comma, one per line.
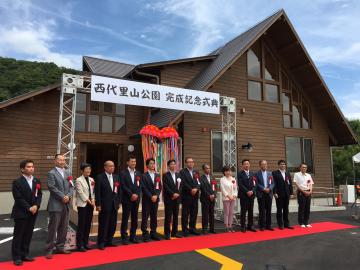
(267,190)
(292,196)
(98,208)
(212,197)
(193,191)
(33,209)
(153,198)
(249,193)
(175,196)
(134,197)
(276,196)
(93,203)
(66,199)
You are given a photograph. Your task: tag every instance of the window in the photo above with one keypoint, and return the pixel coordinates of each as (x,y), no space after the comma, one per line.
(271,69)
(254,90)
(271,93)
(253,61)
(101,117)
(298,150)
(295,107)
(216,151)
(263,83)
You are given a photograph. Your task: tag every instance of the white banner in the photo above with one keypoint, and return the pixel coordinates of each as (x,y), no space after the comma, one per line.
(112,90)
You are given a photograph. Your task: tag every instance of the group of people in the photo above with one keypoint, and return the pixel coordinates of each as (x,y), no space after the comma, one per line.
(109,190)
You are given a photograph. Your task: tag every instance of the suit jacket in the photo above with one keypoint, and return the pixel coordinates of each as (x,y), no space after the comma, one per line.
(282,187)
(105,196)
(260,183)
(58,188)
(25,197)
(82,191)
(206,189)
(149,188)
(129,187)
(245,184)
(188,183)
(170,187)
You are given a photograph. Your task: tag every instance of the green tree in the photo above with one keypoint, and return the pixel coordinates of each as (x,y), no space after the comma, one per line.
(18,77)
(342,159)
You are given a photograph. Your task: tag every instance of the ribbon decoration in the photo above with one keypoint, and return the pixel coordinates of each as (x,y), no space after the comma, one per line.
(37,188)
(116,185)
(70,178)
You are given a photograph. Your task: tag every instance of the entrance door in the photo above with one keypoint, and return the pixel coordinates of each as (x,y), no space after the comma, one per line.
(98,153)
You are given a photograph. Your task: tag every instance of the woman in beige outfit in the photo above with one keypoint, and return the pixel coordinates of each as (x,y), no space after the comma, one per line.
(229,190)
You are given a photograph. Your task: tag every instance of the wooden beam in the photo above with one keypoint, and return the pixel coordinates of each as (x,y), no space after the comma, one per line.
(288,46)
(299,67)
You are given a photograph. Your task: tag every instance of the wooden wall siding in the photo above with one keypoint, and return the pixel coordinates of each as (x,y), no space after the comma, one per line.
(29,130)
(180,75)
(261,125)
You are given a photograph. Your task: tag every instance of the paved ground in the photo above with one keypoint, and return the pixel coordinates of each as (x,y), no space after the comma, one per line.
(330,250)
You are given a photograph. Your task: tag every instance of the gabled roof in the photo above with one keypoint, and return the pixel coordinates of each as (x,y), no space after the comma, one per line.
(226,56)
(28,95)
(106,67)
(233,50)
(178,61)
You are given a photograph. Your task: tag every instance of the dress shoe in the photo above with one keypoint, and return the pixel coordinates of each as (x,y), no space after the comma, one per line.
(155,237)
(251,229)
(87,247)
(261,229)
(270,229)
(193,232)
(212,231)
(28,259)
(101,246)
(289,227)
(243,229)
(134,240)
(18,262)
(49,255)
(81,249)
(63,251)
(204,232)
(110,245)
(308,226)
(167,236)
(125,241)
(185,234)
(281,227)
(176,235)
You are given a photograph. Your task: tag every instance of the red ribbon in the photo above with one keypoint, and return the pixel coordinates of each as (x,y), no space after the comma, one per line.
(116,184)
(270,180)
(157,180)
(213,182)
(137,180)
(70,178)
(37,188)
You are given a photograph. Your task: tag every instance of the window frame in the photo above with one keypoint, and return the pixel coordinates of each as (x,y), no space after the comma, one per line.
(302,145)
(212,150)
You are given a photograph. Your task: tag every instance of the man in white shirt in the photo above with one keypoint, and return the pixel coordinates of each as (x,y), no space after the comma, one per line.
(304,183)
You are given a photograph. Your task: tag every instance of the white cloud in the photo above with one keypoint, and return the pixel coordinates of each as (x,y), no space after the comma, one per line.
(34,41)
(351,102)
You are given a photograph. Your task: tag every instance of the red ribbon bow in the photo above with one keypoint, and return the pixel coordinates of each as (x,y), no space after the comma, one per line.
(157,180)
(287,179)
(137,178)
(270,180)
(254,180)
(37,188)
(70,178)
(116,185)
(213,183)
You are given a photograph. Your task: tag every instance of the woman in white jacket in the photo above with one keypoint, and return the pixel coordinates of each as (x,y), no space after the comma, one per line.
(229,190)
(85,202)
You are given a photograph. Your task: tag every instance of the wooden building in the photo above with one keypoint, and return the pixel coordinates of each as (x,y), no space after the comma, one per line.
(284,109)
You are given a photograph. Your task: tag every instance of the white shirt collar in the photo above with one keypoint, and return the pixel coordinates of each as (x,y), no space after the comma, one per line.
(131,170)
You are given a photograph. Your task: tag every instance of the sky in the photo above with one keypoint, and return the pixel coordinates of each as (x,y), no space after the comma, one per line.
(139,31)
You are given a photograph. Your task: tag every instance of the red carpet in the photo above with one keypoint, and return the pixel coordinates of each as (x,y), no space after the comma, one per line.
(144,250)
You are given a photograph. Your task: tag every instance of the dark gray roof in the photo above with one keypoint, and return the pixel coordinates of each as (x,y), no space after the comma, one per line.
(226,56)
(107,67)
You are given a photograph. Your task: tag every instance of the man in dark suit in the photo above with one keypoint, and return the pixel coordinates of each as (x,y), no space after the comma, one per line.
(61,187)
(108,193)
(247,185)
(207,198)
(27,195)
(132,185)
(189,197)
(283,191)
(172,189)
(264,194)
(151,190)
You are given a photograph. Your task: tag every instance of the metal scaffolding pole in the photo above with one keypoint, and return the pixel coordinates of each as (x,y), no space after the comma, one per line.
(70,86)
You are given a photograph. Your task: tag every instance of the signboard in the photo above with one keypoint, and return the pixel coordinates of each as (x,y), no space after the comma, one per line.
(112,90)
